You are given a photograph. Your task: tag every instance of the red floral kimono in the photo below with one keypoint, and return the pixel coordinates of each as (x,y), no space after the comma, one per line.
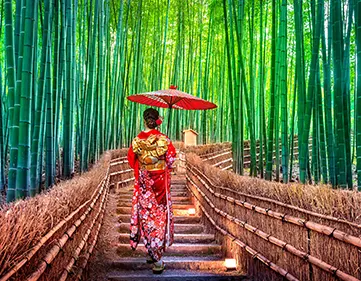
(151,155)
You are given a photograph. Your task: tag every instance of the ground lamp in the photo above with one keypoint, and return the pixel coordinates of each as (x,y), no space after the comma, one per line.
(230,264)
(191,211)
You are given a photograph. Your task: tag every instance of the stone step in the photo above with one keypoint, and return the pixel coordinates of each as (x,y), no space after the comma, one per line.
(180,198)
(176,212)
(131,189)
(180,238)
(175,207)
(178,228)
(174,198)
(183,206)
(178,190)
(178,186)
(174,275)
(186,263)
(128,203)
(173,187)
(125,196)
(177,219)
(126,188)
(124,210)
(179,181)
(174,193)
(179,193)
(182,249)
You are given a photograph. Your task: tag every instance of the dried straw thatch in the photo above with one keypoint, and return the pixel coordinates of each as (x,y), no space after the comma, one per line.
(322,199)
(312,232)
(25,222)
(207,149)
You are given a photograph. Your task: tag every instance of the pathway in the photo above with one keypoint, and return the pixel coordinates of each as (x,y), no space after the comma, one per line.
(195,255)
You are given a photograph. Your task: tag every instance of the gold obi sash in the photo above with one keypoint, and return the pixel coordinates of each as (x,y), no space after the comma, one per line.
(151,152)
(160,165)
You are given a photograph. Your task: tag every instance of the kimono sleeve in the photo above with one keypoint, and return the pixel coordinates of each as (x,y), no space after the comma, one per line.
(132,157)
(171,154)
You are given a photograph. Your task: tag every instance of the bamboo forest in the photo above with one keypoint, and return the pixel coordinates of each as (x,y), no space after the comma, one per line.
(284,74)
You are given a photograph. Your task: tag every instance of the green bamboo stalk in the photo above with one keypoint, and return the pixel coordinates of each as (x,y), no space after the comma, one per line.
(68,94)
(101,84)
(73,82)
(315,137)
(23,172)
(49,155)
(311,94)
(61,87)
(18,22)
(346,92)
(300,69)
(239,70)
(205,88)
(321,125)
(292,143)
(261,93)
(339,107)
(327,105)
(11,76)
(164,47)
(283,88)
(87,129)
(55,70)
(40,100)
(231,92)
(269,163)
(251,97)
(358,91)
(2,137)
(117,70)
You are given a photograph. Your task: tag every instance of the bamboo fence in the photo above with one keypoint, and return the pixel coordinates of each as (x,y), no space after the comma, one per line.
(63,252)
(300,244)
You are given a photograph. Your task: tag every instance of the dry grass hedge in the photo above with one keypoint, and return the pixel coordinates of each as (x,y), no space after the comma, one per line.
(301,200)
(322,199)
(25,222)
(179,145)
(203,150)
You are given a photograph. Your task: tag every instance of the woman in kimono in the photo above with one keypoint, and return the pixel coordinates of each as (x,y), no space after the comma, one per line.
(151,155)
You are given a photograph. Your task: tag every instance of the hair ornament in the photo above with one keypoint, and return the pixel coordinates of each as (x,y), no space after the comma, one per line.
(158,121)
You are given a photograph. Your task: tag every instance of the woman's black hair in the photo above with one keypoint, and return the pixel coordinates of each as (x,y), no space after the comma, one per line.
(150,116)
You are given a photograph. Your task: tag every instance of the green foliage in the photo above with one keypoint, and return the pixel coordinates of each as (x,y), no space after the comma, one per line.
(276,68)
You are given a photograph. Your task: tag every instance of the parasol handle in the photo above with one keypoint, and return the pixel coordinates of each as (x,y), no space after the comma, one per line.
(169,120)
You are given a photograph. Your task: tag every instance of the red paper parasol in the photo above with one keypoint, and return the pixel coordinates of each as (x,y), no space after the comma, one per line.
(172,98)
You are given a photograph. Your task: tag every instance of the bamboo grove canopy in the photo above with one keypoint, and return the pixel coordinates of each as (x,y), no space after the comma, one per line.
(285,74)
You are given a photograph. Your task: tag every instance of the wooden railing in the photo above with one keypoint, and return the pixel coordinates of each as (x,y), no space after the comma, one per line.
(76,234)
(120,172)
(293,243)
(303,246)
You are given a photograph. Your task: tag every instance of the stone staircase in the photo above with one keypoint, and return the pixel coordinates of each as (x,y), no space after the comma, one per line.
(195,255)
